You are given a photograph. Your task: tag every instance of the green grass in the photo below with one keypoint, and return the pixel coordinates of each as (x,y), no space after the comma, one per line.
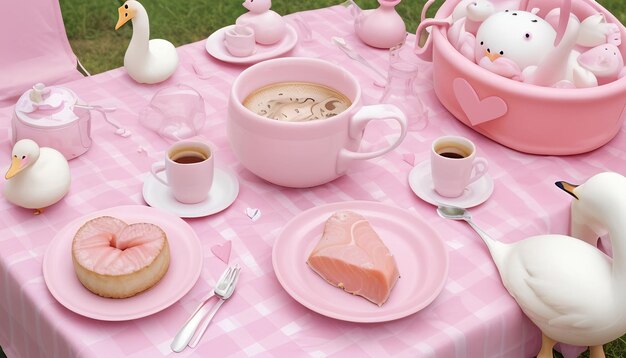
(90,28)
(90,24)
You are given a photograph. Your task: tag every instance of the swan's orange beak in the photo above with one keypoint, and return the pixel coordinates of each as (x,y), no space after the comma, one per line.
(16,167)
(125,14)
(567,187)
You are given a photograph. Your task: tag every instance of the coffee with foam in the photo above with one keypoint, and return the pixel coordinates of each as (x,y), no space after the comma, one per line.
(297,101)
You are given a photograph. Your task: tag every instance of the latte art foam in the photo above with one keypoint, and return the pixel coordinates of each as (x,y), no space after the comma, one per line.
(297,101)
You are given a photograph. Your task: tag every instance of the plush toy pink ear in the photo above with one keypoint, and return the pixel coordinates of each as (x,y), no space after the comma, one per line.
(604,60)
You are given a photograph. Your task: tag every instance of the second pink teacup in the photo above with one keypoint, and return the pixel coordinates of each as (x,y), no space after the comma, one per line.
(240,40)
(189,168)
(454,165)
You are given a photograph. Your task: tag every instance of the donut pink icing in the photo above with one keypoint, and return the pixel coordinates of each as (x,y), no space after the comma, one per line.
(113,259)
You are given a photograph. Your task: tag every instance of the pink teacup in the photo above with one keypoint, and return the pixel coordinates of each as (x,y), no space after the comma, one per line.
(303,154)
(454,165)
(239,40)
(189,168)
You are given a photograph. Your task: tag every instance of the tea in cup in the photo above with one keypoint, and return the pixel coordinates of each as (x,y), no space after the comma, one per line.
(189,168)
(298,122)
(454,165)
(239,40)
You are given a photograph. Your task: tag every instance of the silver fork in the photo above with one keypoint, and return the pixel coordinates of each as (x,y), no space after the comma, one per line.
(223,292)
(186,332)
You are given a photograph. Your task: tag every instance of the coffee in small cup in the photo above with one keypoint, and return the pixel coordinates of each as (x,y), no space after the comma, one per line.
(454,165)
(189,155)
(297,101)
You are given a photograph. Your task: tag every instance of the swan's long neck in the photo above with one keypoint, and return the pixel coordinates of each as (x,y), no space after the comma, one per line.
(617,231)
(141,33)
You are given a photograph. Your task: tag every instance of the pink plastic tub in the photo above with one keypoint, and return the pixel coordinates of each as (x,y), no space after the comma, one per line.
(527,118)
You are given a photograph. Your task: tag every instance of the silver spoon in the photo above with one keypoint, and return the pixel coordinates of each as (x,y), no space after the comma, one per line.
(353,54)
(455,213)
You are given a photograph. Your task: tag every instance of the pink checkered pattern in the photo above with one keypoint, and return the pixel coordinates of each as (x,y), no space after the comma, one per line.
(473,316)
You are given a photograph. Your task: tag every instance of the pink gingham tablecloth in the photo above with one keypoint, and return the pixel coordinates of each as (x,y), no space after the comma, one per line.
(472,317)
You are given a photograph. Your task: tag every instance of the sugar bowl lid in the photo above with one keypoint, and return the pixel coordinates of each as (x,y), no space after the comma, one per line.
(44,106)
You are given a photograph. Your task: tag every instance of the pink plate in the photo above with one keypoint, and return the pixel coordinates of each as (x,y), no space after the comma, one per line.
(184,270)
(419,251)
(215,47)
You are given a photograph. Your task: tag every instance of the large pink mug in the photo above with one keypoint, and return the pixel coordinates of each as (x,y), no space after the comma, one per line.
(303,154)
(189,169)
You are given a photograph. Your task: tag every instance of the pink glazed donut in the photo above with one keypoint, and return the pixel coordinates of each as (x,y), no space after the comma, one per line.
(117,260)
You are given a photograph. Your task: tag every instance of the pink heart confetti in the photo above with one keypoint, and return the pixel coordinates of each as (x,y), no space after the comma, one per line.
(253,213)
(409,158)
(222,251)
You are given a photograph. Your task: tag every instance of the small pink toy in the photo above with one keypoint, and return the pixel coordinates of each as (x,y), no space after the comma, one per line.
(604,61)
(268,26)
(381,27)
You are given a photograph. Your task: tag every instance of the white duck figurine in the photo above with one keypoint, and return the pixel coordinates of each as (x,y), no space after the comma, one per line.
(37,178)
(146,61)
(268,26)
(570,289)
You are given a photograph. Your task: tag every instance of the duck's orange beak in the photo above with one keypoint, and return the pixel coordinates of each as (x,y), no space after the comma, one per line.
(125,14)
(16,167)
(567,187)
(492,56)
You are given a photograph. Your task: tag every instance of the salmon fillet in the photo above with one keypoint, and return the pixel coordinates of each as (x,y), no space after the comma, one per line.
(351,255)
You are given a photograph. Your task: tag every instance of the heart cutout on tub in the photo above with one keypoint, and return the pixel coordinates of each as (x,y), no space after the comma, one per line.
(477,110)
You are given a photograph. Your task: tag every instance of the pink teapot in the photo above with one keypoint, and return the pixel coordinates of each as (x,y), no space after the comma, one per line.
(382,27)
(55,117)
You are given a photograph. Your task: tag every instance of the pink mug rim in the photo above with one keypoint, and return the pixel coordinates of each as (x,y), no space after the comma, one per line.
(235,97)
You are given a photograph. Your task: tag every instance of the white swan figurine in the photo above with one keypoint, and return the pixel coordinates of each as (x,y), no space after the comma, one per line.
(146,61)
(570,289)
(37,178)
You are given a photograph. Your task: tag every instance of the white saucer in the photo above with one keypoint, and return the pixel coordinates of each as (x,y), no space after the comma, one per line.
(215,47)
(421,183)
(223,192)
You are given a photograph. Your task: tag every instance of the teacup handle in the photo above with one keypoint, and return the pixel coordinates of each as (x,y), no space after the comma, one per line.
(157,168)
(479,168)
(359,122)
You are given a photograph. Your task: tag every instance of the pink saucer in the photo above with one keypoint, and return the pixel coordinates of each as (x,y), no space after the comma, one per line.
(215,47)
(421,183)
(184,270)
(420,253)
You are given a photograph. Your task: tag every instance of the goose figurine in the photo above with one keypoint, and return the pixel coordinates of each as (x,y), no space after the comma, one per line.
(268,26)
(146,61)
(37,178)
(570,289)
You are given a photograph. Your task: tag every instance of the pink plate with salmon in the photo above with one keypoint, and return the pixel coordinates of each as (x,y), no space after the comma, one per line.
(182,274)
(419,251)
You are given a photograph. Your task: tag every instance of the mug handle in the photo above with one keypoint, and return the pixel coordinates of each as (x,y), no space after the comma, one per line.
(479,168)
(357,125)
(157,168)
(425,52)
